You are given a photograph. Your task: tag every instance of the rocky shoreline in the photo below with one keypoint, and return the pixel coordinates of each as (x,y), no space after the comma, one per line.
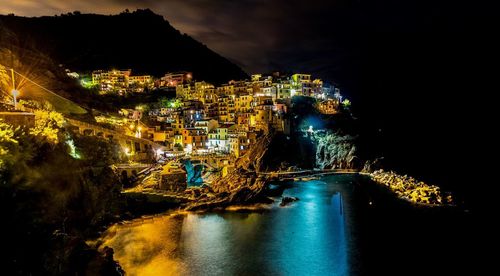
(410,189)
(242,186)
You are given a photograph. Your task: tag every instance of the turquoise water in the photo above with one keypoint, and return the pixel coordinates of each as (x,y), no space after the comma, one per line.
(308,237)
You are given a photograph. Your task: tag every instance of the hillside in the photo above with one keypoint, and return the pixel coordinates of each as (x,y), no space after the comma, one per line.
(140,40)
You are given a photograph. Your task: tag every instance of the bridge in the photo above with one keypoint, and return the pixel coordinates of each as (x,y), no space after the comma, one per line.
(136,148)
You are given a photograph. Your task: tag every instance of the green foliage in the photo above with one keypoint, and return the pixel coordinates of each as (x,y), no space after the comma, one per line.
(48,122)
(7,141)
(51,200)
(178,147)
(163,102)
(346,103)
(47,125)
(97,152)
(4,80)
(170,103)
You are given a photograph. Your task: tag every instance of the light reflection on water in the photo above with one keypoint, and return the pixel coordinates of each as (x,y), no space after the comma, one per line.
(306,238)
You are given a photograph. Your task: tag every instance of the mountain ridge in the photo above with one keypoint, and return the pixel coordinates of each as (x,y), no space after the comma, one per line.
(140,40)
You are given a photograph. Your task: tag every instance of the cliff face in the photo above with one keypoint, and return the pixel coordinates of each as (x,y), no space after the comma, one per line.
(246,168)
(335,151)
(140,40)
(243,185)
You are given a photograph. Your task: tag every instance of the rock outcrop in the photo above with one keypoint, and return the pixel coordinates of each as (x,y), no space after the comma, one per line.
(243,185)
(334,151)
(287,200)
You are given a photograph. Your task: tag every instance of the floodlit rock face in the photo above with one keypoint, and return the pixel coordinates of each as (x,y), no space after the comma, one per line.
(246,169)
(243,185)
(194,173)
(334,151)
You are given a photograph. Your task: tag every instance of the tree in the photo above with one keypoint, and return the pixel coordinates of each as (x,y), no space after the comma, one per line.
(4,80)
(47,125)
(346,103)
(7,140)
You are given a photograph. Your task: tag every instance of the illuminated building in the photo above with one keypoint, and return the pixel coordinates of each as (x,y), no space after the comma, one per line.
(218,139)
(120,80)
(142,80)
(283,90)
(225,89)
(243,103)
(301,78)
(256,77)
(207,125)
(329,106)
(234,145)
(183,91)
(194,138)
(222,106)
(113,76)
(174,79)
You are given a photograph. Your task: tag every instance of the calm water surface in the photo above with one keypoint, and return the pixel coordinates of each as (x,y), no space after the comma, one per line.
(309,237)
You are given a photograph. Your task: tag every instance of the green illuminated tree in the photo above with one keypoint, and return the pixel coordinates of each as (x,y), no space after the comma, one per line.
(7,140)
(4,80)
(47,125)
(346,103)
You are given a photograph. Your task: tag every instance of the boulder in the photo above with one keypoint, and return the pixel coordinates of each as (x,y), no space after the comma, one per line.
(287,200)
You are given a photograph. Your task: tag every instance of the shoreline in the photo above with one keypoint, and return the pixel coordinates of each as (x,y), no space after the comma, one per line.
(379,193)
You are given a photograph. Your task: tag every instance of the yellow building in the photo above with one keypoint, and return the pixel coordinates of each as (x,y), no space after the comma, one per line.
(261,118)
(222,108)
(243,103)
(283,90)
(234,145)
(112,77)
(141,80)
(120,80)
(301,78)
(184,91)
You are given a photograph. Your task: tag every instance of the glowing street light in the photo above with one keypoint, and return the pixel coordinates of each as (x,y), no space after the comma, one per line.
(15,93)
(138,133)
(310,130)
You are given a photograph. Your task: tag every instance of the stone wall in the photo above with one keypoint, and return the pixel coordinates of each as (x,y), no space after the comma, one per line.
(22,119)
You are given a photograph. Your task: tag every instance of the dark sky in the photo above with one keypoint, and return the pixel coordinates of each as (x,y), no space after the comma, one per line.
(264,35)
(259,35)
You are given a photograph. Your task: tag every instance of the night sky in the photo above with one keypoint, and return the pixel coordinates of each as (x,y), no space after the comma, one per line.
(260,35)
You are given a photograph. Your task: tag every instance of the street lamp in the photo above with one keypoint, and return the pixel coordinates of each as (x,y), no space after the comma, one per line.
(15,93)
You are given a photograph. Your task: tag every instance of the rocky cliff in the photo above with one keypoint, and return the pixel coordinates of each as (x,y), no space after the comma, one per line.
(334,150)
(243,185)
